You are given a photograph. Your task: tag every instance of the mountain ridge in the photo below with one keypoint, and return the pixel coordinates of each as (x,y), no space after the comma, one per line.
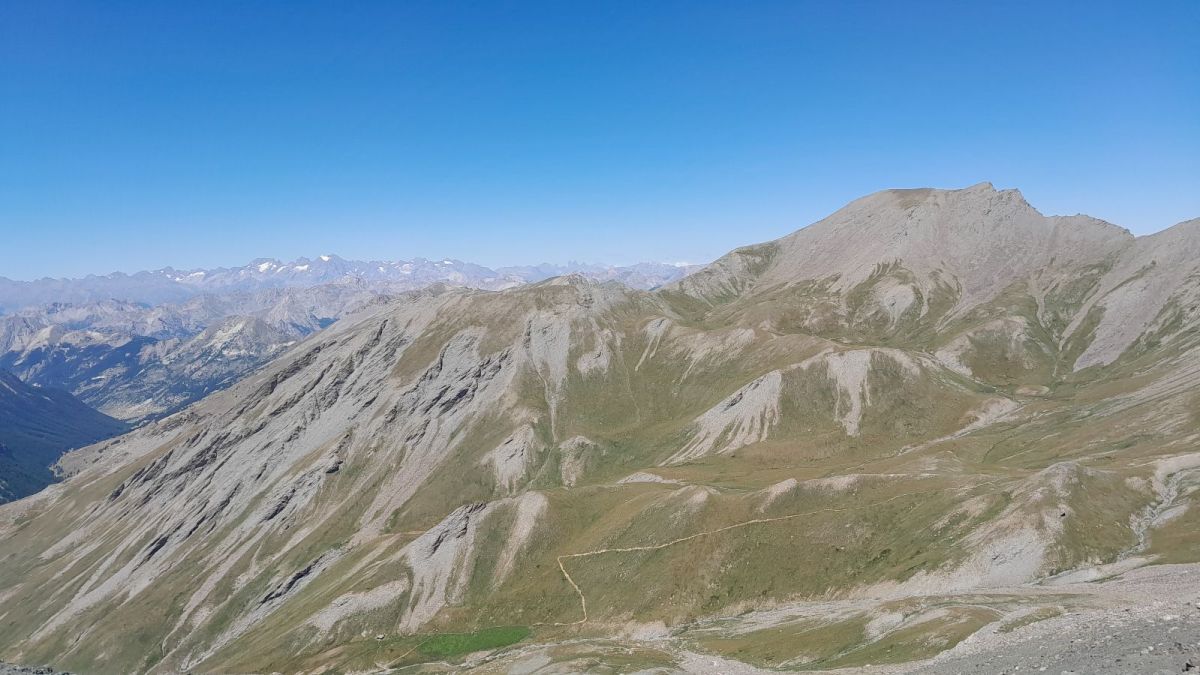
(138,361)
(169,285)
(899,435)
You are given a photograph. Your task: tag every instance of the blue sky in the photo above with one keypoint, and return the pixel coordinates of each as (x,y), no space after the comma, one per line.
(139,135)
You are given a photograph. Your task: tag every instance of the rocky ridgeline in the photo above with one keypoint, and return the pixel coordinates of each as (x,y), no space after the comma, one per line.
(856,450)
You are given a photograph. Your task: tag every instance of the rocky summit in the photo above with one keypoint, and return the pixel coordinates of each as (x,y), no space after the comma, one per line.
(926,421)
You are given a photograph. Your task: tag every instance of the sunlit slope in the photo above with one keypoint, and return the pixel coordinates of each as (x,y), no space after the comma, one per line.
(581,459)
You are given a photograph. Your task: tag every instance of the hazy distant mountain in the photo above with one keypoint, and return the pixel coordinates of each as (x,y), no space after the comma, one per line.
(643,276)
(140,346)
(855,444)
(135,361)
(169,285)
(37,426)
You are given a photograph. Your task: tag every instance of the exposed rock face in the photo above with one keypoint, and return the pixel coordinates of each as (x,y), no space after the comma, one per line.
(902,262)
(978,239)
(928,390)
(142,346)
(1152,288)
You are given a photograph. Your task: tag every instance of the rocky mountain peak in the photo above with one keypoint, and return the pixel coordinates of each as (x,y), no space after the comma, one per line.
(929,392)
(978,239)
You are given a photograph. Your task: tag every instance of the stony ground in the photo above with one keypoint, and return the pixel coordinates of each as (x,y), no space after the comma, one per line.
(1121,643)
(1151,626)
(1145,621)
(9,669)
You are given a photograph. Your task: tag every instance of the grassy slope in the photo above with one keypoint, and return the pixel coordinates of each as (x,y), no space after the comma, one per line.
(905,516)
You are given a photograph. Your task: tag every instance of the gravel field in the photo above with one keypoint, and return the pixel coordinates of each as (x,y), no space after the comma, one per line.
(9,669)
(1146,621)
(1150,624)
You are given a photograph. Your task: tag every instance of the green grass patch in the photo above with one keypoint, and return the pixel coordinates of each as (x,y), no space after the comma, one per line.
(455,644)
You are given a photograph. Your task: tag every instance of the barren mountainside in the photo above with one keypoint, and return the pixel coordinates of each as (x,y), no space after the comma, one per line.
(846,446)
(141,346)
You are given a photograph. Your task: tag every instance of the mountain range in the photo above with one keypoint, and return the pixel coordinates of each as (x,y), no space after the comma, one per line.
(169,285)
(858,444)
(138,362)
(140,346)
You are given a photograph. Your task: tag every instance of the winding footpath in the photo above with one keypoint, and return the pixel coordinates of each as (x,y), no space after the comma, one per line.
(756,521)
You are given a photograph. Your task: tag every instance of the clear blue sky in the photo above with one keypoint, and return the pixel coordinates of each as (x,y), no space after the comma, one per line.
(138,135)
